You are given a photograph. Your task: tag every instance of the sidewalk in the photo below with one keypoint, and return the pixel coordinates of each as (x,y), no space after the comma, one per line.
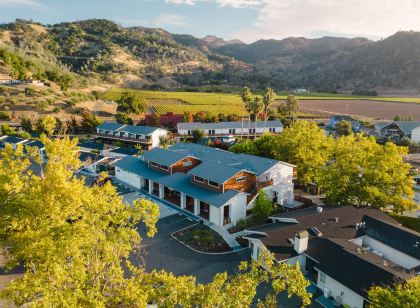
(230,239)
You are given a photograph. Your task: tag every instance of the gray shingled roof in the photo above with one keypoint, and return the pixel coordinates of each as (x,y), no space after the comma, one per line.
(111,126)
(405,126)
(252,163)
(163,157)
(214,171)
(227,125)
(178,181)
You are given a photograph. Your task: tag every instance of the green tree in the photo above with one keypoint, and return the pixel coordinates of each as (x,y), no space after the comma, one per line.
(89,122)
(344,128)
(26,125)
(46,125)
(76,242)
(263,207)
(187,117)
(6,129)
(365,173)
(268,98)
(198,135)
(245,146)
(123,118)
(292,106)
(305,145)
(131,103)
(405,294)
(254,107)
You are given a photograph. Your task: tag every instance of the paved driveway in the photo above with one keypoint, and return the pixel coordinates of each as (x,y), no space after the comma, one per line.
(163,252)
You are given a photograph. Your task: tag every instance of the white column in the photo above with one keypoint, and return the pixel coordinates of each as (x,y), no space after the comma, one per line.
(196,207)
(290,197)
(161,191)
(183,201)
(221,216)
(150,187)
(141,182)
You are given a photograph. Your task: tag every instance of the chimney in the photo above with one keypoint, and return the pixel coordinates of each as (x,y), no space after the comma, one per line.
(301,241)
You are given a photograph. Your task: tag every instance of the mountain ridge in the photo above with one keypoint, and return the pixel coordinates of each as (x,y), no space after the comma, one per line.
(151,57)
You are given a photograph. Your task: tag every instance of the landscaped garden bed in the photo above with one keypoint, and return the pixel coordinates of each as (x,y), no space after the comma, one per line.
(202,238)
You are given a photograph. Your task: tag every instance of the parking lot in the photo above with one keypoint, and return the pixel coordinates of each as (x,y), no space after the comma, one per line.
(164,252)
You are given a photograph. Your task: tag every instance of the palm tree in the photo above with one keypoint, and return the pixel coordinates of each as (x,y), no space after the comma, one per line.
(267,100)
(255,107)
(246,96)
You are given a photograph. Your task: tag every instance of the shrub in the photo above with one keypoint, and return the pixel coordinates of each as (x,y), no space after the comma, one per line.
(5,116)
(203,236)
(57,109)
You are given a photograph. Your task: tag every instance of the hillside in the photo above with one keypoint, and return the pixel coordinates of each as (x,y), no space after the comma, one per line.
(100,52)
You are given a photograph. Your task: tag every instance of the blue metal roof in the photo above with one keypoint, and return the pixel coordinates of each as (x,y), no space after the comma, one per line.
(245,162)
(125,150)
(90,157)
(92,145)
(139,130)
(178,181)
(12,139)
(163,157)
(111,126)
(214,172)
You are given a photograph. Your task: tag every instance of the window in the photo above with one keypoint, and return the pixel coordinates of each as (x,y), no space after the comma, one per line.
(164,168)
(252,130)
(272,130)
(187,163)
(198,179)
(153,164)
(240,179)
(214,184)
(189,132)
(138,136)
(322,278)
(232,131)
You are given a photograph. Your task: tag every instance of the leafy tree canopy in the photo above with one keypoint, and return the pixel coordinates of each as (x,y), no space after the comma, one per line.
(365,173)
(405,294)
(76,242)
(131,103)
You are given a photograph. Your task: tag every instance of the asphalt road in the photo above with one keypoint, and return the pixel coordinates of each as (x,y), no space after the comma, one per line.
(164,252)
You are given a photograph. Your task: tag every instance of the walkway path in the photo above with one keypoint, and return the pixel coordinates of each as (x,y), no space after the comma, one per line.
(230,239)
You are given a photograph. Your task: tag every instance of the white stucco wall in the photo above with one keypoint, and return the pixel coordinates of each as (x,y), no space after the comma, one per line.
(237,208)
(279,173)
(336,289)
(215,215)
(415,135)
(127,177)
(156,135)
(256,246)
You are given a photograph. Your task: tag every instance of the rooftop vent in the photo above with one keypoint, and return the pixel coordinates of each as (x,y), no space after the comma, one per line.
(336,219)
(316,231)
(319,209)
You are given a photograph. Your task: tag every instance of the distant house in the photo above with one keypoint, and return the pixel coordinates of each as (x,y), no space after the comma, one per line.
(92,161)
(39,145)
(399,129)
(214,185)
(345,250)
(12,141)
(355,124)
(229,130)
(146,136)
(123,152)
(93,146)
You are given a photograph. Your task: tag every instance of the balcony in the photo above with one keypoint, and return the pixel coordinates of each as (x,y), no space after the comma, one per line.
(118,137)
(258,187)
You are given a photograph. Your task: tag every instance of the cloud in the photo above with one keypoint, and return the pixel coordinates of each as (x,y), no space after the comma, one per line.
(170,20)
(309,18)
(222,3)
(19,3)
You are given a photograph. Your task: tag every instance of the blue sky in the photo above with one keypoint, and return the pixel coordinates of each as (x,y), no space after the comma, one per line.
(247,20)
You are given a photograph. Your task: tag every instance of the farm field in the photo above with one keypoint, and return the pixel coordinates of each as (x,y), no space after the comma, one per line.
(375,109)
(324,104)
